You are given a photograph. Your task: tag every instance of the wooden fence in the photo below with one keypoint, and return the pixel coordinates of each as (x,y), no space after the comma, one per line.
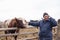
(24,34)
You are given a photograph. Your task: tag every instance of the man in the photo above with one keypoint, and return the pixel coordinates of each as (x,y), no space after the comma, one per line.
(45,26)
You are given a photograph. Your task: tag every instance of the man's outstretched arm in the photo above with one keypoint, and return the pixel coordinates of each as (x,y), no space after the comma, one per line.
(34,23)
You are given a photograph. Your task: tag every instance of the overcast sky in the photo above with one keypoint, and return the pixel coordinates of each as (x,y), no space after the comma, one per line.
(29,9)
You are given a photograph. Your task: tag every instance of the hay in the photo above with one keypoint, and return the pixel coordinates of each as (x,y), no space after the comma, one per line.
(10,38)
(2,38)
(33,34)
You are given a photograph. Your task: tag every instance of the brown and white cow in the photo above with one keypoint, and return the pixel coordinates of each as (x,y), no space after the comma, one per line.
(15,22)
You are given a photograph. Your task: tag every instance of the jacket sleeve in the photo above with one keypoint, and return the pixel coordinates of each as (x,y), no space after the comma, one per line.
(34,23)
(53,22)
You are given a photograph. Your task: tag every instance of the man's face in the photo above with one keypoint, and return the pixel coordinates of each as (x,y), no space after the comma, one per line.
(46,17)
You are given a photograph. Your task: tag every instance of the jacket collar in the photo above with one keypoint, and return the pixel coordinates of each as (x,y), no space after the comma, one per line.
(46,20)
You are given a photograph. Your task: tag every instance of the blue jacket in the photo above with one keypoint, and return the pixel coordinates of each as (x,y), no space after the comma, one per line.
(45,26)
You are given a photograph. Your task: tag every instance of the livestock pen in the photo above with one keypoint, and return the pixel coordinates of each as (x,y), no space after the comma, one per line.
(30,33)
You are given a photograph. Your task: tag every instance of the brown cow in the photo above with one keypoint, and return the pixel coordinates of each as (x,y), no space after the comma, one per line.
(16,22)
